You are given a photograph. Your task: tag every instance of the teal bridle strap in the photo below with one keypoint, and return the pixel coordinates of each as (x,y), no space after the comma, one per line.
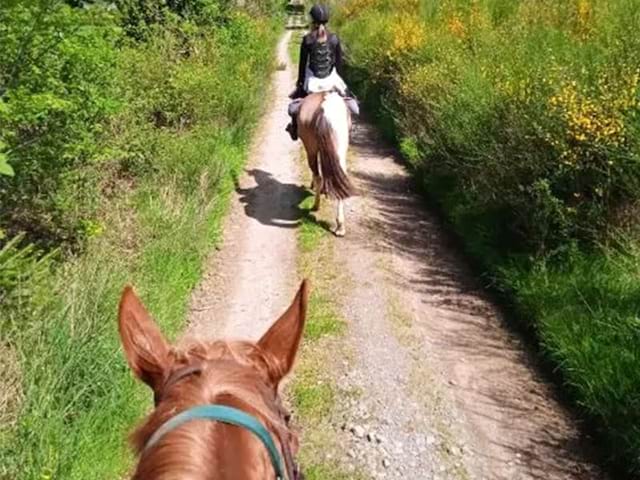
(224,414)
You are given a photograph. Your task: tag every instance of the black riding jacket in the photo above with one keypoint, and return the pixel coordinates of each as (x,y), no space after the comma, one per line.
(320,58)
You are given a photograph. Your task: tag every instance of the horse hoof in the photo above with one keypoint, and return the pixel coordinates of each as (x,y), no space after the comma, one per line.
(340,232)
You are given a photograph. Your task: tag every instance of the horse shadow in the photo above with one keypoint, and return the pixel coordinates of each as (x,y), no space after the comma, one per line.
(274,203)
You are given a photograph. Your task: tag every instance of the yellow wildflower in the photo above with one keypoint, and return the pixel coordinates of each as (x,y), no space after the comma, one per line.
(407,34)
(584,14)
(456,27)
(589,120)
(352,8)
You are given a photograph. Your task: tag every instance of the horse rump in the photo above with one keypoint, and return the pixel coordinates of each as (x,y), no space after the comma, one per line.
(335,182)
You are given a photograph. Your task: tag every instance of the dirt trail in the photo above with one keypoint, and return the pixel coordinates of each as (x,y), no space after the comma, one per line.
(427,335)
(253,277)
(447,391)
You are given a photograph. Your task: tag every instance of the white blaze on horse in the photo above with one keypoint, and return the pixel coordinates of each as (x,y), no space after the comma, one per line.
(324,125)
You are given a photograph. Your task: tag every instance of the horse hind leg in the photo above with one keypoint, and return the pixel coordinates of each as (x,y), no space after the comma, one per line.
(317,188)
(340,217)
(316,182)
(341,230)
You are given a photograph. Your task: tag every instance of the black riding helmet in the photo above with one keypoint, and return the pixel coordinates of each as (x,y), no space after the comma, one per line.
(319,14)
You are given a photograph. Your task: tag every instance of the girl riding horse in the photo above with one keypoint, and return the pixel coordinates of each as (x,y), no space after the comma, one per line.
(320,64)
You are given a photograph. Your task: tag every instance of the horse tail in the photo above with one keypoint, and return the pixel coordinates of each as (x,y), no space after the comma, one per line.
(335,182)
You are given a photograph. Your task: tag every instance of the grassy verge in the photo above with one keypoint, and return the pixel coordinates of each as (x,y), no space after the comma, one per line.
(499,108)
(294,47)
(73,398)
(585,314)
(313,391)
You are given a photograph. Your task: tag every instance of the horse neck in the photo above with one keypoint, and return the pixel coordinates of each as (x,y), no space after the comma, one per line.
(204,450)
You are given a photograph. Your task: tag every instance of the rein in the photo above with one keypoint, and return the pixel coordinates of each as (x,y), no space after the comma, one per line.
(231,416)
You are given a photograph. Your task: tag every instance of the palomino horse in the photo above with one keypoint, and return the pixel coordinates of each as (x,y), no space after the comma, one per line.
(217,411)
(324,123)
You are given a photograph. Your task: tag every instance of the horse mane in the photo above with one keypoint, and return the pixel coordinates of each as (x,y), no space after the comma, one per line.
(234,374)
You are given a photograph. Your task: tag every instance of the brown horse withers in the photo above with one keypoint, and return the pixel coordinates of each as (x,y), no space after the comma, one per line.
(324,124)
(239,374)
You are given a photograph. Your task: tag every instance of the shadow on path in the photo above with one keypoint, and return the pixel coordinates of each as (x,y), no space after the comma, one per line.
(273,203)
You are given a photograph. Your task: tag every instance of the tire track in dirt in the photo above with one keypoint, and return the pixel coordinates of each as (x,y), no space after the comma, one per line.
(251,280)
(426,334)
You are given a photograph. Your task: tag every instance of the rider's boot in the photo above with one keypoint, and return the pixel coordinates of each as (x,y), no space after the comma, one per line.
(292,128)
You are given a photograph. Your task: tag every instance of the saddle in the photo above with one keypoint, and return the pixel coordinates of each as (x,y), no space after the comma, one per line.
(299,94)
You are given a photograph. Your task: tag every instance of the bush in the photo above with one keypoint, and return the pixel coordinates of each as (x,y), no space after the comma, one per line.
(66,85)
(55,94)
(532,108)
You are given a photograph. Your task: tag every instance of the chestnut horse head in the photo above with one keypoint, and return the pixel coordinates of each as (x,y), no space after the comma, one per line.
(237,376)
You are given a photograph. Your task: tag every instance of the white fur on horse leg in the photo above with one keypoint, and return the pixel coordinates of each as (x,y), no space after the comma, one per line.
(340,229)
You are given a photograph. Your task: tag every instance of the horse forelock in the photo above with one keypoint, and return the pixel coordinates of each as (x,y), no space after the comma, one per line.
(234,374)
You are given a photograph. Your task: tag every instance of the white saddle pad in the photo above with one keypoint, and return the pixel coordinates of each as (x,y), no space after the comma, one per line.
(333,81)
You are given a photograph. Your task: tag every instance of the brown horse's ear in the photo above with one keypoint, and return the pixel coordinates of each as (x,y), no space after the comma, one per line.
(280,343)
(144,346)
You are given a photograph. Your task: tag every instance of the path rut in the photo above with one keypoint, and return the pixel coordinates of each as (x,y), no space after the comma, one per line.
(448,391)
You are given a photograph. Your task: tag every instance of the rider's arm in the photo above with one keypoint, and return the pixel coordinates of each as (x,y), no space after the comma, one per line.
(302,66)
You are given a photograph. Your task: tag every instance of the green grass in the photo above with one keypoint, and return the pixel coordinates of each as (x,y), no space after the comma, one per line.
(313,390)
(323,320)
(310,232)
(294,48)
(586,316)
(313,395)
(76,399)
(329,471)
